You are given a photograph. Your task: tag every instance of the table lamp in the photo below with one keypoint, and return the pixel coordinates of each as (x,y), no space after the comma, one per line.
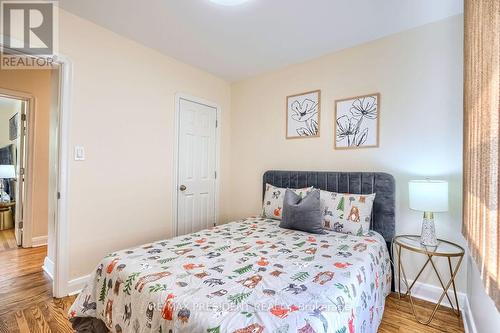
(6,172)
(428,196)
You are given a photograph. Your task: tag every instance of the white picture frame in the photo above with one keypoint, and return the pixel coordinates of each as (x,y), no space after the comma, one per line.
(303,115)
(357,122)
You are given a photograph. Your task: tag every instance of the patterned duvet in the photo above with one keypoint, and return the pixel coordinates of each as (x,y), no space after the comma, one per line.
(245,276)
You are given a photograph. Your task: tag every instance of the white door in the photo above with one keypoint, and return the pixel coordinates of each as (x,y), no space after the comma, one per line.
(196,167)
(21,168)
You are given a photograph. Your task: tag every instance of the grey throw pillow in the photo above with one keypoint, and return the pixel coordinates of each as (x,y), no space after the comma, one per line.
(302,214)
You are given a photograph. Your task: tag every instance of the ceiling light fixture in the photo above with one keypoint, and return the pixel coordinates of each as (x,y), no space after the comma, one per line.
(228,2)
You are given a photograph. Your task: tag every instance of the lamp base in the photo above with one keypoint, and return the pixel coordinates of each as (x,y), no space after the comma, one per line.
(1,191)
(428,237)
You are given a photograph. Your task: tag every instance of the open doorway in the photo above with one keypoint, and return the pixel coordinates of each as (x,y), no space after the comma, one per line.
(29,159)
(11,113)
(12,134)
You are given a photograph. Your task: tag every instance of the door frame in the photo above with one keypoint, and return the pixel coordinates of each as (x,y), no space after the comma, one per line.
(61,229)
(175,189)
(60,272)
(28,152)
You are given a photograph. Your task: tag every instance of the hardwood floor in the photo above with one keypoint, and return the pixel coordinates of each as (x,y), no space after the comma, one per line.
(26,303)
(399,318)
(7,240)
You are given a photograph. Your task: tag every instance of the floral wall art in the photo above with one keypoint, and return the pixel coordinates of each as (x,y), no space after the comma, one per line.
(357,122)
(303,115)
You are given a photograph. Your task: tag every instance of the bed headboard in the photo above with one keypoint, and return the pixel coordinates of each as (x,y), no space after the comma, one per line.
(383,214)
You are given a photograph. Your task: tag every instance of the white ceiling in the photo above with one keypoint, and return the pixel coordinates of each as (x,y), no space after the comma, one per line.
(235,42)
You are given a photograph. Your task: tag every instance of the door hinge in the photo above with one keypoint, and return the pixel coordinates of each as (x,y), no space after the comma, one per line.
(21,224)
(58,195)
(216,123)
(21,171)
(215,174)
(23,117)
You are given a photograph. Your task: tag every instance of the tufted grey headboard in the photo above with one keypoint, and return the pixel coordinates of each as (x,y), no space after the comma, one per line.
(383,215)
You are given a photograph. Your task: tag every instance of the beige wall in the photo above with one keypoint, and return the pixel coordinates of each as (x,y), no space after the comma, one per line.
(36,83)
(419,76)
(122,112)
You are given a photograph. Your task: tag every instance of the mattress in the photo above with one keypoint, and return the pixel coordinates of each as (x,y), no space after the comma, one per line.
(245,276)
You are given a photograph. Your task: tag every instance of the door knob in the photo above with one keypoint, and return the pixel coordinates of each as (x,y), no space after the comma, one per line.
(182,187)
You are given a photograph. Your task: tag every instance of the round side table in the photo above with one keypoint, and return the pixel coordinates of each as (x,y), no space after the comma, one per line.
(444,249)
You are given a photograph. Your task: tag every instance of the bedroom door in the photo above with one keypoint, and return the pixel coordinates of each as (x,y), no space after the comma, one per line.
(196,191)
(21,168)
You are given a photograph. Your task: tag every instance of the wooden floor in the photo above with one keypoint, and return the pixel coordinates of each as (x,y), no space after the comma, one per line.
(399,318)
(7,240)
(26,304)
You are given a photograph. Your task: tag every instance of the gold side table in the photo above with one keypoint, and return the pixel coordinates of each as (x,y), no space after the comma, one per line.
(6,216)
(444,249)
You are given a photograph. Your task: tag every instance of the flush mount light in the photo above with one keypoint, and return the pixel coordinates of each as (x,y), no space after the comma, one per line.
(228,2)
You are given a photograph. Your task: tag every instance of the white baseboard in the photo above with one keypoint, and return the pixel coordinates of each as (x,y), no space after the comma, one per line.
(432,293)
(39,241)
(468,318)
(76,285)
(48,267)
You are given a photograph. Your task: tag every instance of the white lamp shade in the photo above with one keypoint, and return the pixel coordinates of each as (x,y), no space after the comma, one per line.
(428,195)
(7,172)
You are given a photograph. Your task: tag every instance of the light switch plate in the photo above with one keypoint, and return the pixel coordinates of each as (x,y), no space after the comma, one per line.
(79,153)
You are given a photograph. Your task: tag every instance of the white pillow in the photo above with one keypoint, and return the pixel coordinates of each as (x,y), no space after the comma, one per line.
(272,207)
(347,213)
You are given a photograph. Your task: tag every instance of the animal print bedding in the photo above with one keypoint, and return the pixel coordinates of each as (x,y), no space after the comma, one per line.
(245,276)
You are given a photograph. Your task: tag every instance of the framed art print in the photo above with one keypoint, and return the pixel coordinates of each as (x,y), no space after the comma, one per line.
(303,115)
(356,122)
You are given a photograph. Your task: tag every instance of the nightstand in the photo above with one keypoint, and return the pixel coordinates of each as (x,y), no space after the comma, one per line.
(444,249)
(6,216)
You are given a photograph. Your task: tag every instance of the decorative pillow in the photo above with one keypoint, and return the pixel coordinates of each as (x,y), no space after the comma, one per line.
(302,213)
(347,213)
(272,206)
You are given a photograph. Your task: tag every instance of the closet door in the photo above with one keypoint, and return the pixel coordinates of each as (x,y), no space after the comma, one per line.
(196,167)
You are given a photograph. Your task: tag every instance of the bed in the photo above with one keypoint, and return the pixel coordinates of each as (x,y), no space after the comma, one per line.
(250,275)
